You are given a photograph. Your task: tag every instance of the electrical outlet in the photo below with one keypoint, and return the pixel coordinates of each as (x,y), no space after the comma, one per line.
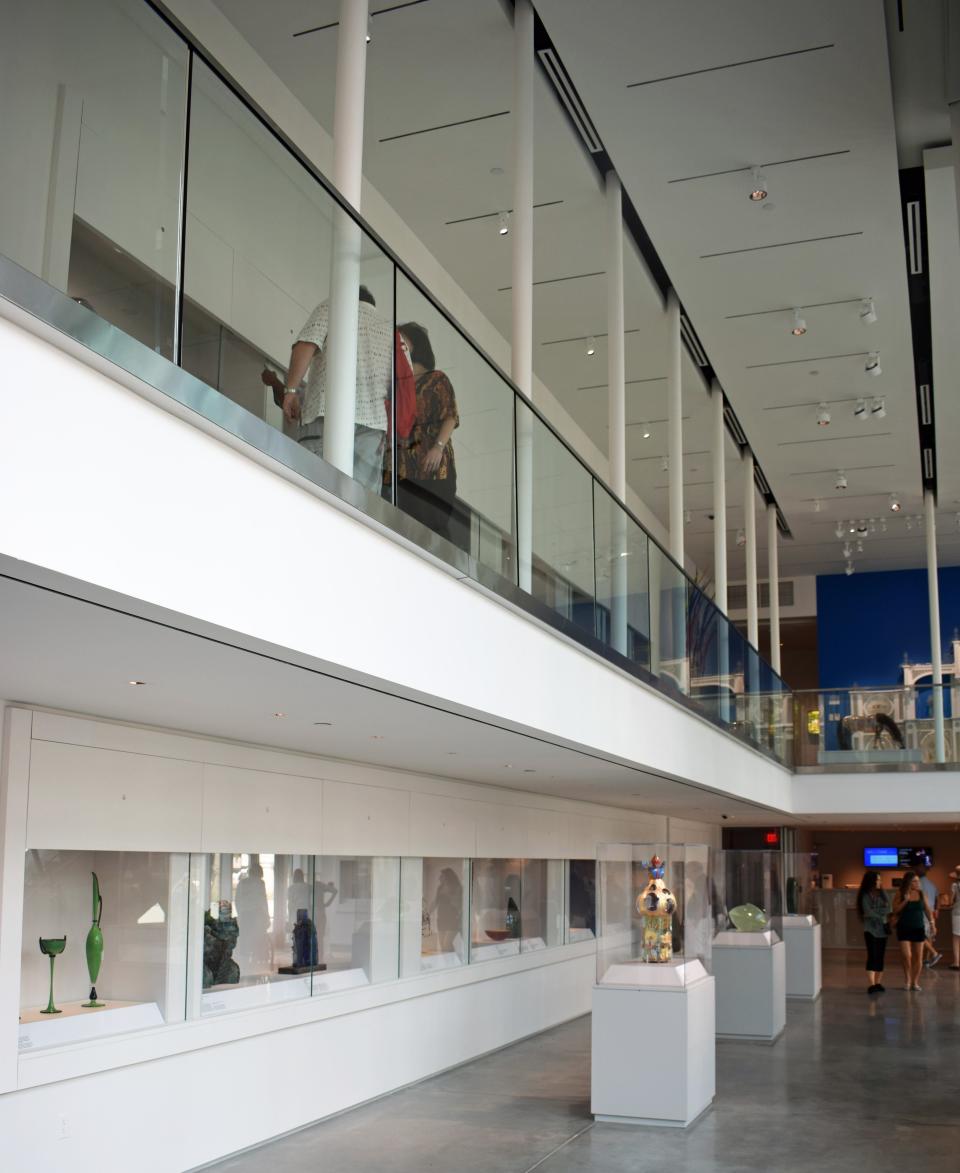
(63,1128)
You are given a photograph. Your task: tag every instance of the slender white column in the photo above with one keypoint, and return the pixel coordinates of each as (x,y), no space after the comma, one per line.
(933,597)
(675,427)
(521,355)
(750,529)
(616,411)
(341,346)
(773,574)
(719,501)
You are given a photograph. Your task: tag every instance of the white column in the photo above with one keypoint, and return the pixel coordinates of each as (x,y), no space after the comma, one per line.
(616,412)
(719,500)
(773,574)
(675,427)
(933,597)
(341,346)
(750,529)
(521,354)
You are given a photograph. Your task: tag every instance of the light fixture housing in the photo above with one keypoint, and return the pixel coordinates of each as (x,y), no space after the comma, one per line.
(868,311)
(862,526)
(848,569)
(741,537)
(665,463)
(840,530)
(847,549)
(872,365)
(646,432)
(503,223)
(878,409)
(841,479)
(823,416)
(860,411)
(758,186)
(591,345)
(895,505)
(799,327)
(369,35)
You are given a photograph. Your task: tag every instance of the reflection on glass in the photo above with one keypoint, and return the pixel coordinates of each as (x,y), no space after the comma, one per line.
(495,909)
(142,978)
(358,924)
(435,914)
(91,148)
(748,893)
(623,607)
(541,905)
(581,900)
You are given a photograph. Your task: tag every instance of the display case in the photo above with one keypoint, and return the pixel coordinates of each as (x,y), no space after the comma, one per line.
(799,926)
(748,889)
(541,904)
(495,908)
(104,944)
(581,919)
(799,870)
(435,914)
(654,913)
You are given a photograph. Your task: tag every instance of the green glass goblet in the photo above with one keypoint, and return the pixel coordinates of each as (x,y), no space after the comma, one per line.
(52,947)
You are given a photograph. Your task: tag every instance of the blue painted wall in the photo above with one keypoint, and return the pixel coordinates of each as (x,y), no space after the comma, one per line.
(866,622)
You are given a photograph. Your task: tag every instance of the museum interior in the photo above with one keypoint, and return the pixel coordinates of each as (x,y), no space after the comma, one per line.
(479,585)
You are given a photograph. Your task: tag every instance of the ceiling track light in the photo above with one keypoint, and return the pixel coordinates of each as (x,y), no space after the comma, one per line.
(799,327)
(665,463)
(646,431)
(369,28)
(839,531)
(859,545)
(872,365)
(860,411)
(841,479)
(823,416)
(878,409)
(847,549)
(861,526)
(868,311)
(503,223)
(895,505)
(758,186)
(848,569)
(591,345)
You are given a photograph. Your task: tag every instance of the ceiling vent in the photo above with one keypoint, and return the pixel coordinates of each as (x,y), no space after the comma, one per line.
(913,237)
(928,469)
(737,595)
(926,413)
(571,101)
(692,341)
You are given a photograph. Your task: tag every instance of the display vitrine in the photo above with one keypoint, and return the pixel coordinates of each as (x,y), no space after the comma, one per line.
(747,893)
(435,914)
(495,908)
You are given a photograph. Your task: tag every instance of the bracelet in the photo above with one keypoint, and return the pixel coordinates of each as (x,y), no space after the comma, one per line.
(438,443)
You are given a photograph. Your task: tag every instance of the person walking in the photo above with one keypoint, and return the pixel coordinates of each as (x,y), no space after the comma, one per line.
(873,908)
(955,914)
(929,889)
(911,913)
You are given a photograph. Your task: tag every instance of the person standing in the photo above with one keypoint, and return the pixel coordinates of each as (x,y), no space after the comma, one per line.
(955,915)
(911,914)
(929,889)
(374,380)
(873,908)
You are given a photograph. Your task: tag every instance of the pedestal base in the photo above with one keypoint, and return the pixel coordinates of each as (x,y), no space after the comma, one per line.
(654,1053)
(801,936)
(750,972)
(299,969)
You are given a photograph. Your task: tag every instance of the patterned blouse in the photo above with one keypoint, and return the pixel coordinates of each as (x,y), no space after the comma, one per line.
(436,402)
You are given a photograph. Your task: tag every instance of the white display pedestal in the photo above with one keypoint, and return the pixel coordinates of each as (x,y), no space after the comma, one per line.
(77,1023)
(801,936)
(750,971)
(654,1047)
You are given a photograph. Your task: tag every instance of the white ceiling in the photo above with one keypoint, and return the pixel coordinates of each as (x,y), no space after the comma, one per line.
(444,61)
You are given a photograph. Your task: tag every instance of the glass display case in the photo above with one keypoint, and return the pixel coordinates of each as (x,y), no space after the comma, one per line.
(747,893)
(581,900)
(799,870)
(653,913)
(541,904)
(495,908)
(104,944)
(436,911)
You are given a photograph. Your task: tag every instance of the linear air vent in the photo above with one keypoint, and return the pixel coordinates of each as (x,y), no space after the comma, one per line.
(733,426)
(692,341)
(926,413)
(570,99)
(928,464)
(913,237)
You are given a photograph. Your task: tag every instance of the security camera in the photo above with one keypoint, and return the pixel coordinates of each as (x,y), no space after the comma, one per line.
(724,816)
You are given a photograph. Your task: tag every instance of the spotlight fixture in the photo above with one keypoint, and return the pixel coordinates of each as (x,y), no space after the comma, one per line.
(646,431)
(861,526)
(665,463)
(369,28)
(137,683)
(841,479)
(823,417)
(839,530)
(591,345)
(280,716)
(894,503)
(799,327)
(758,186)
(868,311)
(741,537)
(860,411)
(859,545)
(503,224)
(847,549)
(852,525)
(878,409)
(872,365)
(848,569)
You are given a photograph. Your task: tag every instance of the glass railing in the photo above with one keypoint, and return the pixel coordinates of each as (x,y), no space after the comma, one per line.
(868,727)
(184,232)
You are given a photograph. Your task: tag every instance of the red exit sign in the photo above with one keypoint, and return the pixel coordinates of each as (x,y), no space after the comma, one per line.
(772,838)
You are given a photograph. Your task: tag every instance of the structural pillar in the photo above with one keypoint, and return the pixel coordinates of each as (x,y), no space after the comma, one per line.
(617,414)
(750,529)
(773,574)
(341,345)
(521,356)
(933,597)
(675,427)
(719,500)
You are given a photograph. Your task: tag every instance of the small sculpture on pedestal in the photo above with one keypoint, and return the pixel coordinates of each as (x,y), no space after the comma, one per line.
(52,947)
(219,940)
(656,904)
(306,953)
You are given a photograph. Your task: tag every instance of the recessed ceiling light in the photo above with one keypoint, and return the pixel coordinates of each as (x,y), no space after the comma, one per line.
(878,409)
(872,365)
(591,345)
(376,737)
(503,224)
(323,722)
(895,505)
(841,479)
(280,716)
(799,327)
(136,682)
(758,186)
(860,411)
(529,771)
(369,28)
(823,416)
(496,170)
(508,765)
(868,311)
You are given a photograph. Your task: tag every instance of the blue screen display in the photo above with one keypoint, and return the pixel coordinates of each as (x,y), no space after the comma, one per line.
(881,857)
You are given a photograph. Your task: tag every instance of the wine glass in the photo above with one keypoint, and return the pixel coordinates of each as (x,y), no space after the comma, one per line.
(52,947)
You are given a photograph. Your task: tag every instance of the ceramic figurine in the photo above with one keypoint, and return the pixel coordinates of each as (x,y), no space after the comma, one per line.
(95,945)
(52,947)
(656,904)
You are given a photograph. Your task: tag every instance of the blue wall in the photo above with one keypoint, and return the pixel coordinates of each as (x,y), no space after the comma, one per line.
(866,622)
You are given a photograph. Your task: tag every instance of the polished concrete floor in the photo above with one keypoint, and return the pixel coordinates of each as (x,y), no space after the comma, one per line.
(856,1084)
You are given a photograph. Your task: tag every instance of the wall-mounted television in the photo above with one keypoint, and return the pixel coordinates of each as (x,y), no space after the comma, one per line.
(901,858)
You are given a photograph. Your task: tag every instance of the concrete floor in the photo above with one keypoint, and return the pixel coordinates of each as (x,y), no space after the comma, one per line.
(855,1085)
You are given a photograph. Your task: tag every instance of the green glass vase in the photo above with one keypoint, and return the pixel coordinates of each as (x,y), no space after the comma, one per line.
(52,947)
(95,945)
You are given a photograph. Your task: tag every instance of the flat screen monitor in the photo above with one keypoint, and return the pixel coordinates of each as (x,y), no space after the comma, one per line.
(901,858)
